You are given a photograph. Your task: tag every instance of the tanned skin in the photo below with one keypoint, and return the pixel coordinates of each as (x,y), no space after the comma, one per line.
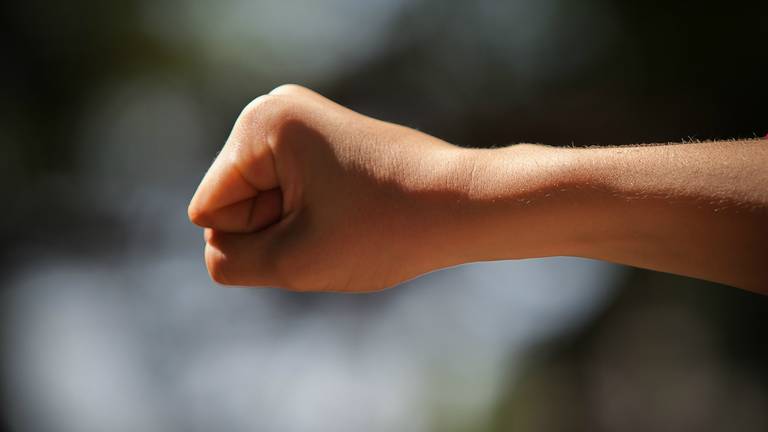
(310,196)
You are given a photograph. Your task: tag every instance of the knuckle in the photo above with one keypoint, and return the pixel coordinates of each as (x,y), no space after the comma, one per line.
(269,114)
(260,106)
(288,90)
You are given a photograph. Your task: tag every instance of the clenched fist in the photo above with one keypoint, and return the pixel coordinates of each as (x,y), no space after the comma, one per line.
(308,195)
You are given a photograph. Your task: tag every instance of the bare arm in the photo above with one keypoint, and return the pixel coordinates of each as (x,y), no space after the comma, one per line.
(308,195)
(698,209)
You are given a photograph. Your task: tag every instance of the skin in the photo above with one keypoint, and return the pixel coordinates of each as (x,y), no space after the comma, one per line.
(310,196)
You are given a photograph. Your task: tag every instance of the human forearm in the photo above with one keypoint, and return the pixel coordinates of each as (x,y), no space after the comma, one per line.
(308,195)
(697,209)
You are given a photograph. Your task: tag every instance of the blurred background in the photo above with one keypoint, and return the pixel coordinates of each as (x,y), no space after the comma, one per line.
(111,112)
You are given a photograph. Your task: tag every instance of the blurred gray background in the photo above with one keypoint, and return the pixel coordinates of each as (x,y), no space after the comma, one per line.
(112,111)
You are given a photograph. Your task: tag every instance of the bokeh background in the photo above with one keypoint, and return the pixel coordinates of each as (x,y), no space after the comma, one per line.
(111,112)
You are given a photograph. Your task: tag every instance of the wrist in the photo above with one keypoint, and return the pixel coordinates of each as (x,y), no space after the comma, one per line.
(521,201)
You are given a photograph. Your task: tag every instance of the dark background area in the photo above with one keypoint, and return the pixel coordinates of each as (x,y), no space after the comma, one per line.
(111,111)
